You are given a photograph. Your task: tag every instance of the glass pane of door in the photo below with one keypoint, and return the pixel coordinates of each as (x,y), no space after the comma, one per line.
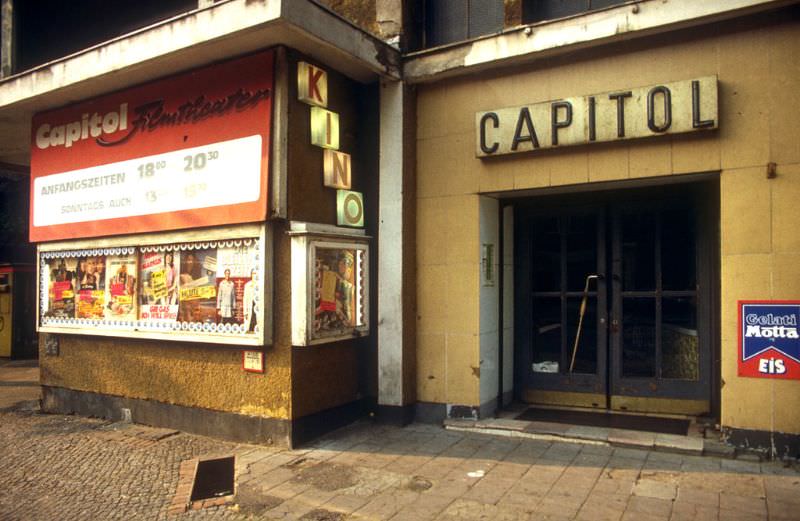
(547,335)
(638,251)
(639,337)
(581,254)
(680,357)
(546,254)
(678,250)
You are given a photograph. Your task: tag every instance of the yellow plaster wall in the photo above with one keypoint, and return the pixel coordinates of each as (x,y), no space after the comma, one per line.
(209,377)
(758,105)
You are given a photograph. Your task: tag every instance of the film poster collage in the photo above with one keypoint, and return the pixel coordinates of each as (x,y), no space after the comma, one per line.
(158,288)
(337,281)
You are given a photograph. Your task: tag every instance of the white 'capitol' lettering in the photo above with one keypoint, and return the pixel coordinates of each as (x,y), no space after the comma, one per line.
(88,126)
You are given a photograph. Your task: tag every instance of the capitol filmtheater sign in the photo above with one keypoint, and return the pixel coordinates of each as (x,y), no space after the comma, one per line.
(669,108)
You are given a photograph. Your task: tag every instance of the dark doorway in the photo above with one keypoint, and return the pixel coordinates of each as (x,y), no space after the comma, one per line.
(613,297)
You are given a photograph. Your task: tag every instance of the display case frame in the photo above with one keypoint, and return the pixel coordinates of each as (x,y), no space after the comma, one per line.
(330,283)
(257,237)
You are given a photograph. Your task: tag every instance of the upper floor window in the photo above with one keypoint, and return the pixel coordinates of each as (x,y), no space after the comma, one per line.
(539,10)
(46,30)
(448,21)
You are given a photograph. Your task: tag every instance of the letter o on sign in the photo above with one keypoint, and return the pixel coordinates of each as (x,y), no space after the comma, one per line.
(353,210)
(350,208)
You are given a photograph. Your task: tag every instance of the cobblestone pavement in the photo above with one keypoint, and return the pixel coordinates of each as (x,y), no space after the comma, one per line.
(74,468)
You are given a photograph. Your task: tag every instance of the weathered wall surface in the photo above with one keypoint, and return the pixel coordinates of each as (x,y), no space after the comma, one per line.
(329,375)
(760,257)
(204,376)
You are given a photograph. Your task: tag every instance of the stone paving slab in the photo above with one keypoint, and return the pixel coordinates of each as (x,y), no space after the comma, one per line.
(57,467)
(588,433)
(679,444)
(67,468)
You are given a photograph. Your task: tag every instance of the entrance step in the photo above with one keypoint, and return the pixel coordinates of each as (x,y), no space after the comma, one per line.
(693,444)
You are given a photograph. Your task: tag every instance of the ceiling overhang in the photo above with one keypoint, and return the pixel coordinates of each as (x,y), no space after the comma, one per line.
(223,30)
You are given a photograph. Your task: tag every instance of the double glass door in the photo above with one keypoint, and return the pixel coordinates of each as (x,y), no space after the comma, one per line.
(610,306)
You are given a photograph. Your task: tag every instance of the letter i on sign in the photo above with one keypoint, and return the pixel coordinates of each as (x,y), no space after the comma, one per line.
(324,128)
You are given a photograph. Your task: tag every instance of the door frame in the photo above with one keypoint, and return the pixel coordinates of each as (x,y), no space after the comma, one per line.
(705,188)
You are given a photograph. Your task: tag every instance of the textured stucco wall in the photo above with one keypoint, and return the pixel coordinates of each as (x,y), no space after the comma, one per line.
(205,376)
(760,247)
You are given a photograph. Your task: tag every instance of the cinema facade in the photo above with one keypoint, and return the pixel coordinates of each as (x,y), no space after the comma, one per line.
(288,231)
(614,228)
(206,236)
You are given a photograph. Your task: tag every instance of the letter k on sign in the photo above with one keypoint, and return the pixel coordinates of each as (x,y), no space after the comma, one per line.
(312,84)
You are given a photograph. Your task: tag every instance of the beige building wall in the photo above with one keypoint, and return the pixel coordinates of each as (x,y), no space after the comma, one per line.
(759,101)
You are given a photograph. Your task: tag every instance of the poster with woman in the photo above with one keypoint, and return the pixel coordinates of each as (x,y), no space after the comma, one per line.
(61,288)
(121,287)
(335,290)
(235,267)
(251,303)
(197,289)
(90,286)
(158,288)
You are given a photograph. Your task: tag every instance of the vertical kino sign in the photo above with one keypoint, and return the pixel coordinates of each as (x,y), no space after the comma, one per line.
(187,151)
(670,108)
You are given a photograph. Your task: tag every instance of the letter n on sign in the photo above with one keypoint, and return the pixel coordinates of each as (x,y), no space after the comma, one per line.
(337,169)
(312,84)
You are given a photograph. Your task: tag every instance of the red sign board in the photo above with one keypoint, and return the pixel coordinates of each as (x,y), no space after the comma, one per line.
(186,151)
(769,339)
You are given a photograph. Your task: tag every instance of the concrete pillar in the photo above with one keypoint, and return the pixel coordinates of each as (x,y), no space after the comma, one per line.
(7,44)
(396,286)
(489,211)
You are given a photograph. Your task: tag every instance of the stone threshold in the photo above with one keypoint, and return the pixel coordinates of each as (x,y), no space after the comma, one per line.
(673,443)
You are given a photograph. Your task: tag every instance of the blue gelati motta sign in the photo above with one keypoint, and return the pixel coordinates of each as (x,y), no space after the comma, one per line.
(769,343)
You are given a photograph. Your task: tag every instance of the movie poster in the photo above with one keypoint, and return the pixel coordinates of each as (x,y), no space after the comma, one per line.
(335,290)
(121,287)
(61,287)
(166,288)
(197,289)
(236,268)
(90,286)
(158,290)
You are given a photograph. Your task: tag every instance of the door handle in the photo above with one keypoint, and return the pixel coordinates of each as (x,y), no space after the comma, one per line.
(614,327)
